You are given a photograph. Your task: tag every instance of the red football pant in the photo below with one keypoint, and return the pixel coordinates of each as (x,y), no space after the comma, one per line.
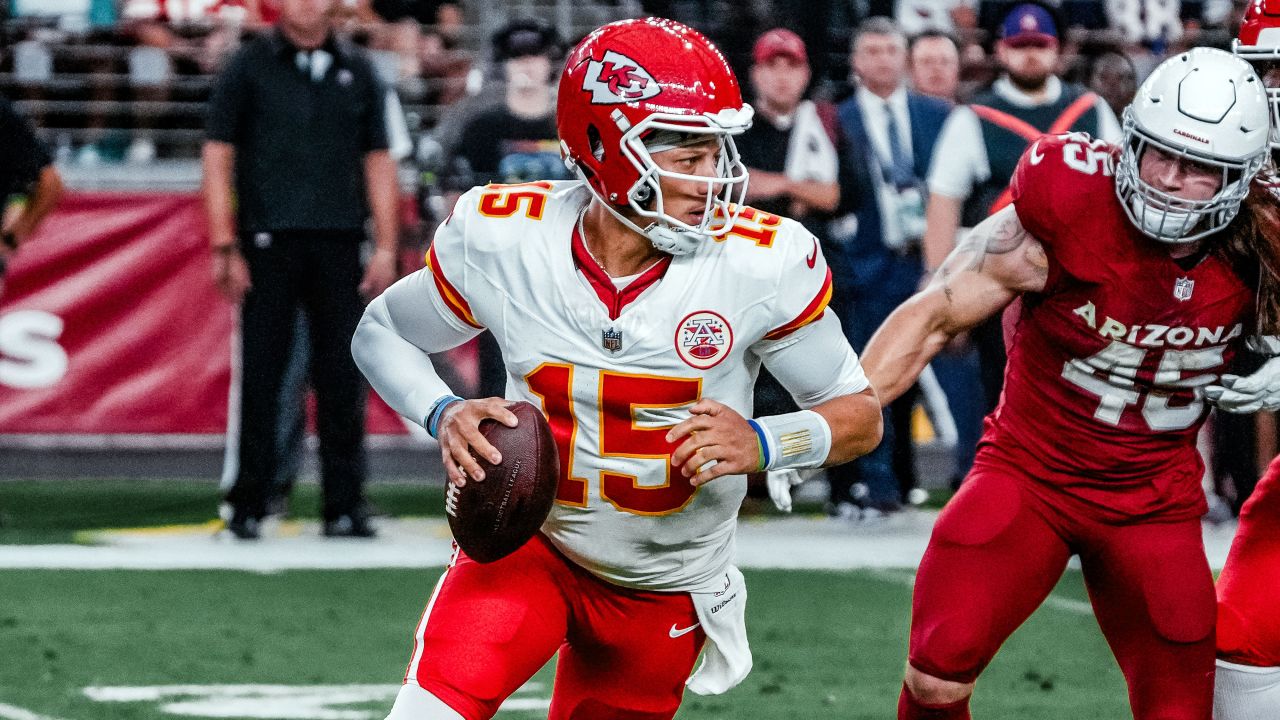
(999,548)
(490,627)
(1249,587)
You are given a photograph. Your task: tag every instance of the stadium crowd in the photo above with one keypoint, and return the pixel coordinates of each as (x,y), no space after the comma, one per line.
(109,81)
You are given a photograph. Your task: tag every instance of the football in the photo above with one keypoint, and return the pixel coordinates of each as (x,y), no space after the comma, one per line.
(492,518)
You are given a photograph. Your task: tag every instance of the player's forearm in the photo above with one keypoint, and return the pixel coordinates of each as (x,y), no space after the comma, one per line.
(901,348)
(383,194)
(856,425)
(400,371)
(942,220)
(219,167)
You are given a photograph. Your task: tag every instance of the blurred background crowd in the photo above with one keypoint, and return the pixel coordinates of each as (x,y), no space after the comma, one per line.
(886,126)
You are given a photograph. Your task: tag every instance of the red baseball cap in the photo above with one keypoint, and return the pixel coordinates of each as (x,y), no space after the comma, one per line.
(779,42)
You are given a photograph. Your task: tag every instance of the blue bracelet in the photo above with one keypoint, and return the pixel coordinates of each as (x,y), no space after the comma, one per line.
(764,443)
(433,417)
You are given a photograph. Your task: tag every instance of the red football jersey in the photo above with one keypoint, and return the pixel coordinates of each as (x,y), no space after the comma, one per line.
(1100,396)
(1248,624)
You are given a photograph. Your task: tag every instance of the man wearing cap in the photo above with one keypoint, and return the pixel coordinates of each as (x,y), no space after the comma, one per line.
(887,142)
(792,160)
(983,141)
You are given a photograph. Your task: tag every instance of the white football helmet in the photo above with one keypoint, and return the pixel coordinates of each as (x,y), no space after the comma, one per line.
(1209,107)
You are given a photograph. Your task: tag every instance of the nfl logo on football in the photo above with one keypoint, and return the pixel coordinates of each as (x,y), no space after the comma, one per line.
(611,340)
(703,339)
(1182,288)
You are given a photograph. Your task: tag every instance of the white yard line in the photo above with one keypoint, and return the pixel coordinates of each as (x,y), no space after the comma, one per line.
(11,712)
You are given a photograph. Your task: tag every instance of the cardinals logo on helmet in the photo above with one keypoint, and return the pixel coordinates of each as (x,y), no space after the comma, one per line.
(618,79)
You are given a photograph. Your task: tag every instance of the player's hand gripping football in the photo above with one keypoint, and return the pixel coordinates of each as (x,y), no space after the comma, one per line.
(1259,391)
(458,433)
(716,441)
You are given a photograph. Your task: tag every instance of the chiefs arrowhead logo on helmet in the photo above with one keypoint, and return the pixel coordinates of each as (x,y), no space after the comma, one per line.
(618,79)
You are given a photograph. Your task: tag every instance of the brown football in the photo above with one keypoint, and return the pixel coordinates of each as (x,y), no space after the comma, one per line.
(492,518)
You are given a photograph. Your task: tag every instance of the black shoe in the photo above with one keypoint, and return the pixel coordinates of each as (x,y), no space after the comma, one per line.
(244,527)
(355,526)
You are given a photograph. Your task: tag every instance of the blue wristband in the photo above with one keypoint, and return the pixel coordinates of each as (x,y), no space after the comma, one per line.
(764,443)
(433,417)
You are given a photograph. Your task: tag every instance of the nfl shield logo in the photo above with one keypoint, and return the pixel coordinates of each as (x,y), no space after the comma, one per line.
(611,340)
(1182,288)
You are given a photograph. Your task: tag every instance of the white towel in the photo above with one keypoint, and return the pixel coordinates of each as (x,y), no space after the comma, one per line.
(726,659)
(810,153)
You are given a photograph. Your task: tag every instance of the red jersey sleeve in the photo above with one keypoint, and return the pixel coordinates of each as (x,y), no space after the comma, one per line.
(1058,189)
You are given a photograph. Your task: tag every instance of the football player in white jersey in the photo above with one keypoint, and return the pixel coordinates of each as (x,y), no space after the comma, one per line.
(635,306)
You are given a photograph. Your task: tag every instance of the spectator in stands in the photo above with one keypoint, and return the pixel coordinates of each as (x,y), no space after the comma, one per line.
(791,157)
(29,184)
(888,135)
(793,165)
(935,65)
(935,71)
(984,141)
(297,127)
(513,142)
(1114,78)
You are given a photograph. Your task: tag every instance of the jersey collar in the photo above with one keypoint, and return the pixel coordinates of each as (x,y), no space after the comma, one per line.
(613,298)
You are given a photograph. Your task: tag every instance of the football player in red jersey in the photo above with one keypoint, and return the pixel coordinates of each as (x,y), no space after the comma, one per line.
(635,306)
(1247,685)
(1128,277)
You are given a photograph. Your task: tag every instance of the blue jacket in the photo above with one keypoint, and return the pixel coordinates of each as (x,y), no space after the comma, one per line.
(860,260)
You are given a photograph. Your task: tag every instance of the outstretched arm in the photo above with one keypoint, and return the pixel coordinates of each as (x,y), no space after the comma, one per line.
(997,261)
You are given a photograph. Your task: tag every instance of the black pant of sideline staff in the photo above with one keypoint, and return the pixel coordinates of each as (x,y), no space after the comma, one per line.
(320,272)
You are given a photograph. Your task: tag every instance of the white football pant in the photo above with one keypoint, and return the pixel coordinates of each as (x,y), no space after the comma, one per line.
(414,703)
(1245,692)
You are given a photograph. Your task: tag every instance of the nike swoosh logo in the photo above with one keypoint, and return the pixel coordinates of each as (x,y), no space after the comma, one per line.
(677,632)
(813,257)
(1036,157)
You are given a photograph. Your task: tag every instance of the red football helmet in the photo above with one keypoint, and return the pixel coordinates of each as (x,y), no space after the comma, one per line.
(1259,43)
(637,87)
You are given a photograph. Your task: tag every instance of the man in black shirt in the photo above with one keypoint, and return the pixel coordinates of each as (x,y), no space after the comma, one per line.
(792,163)
(296,122)
(29,184)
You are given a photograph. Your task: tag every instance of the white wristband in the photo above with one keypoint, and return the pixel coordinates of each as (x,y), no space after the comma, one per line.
(793,441)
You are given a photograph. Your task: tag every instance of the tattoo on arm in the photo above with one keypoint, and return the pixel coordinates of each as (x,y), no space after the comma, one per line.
(1001,237)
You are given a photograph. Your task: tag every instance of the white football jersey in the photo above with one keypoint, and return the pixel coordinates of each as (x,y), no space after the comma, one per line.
(614,370)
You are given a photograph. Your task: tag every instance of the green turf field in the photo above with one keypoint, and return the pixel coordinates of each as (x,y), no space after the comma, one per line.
(827,645)
(110,645)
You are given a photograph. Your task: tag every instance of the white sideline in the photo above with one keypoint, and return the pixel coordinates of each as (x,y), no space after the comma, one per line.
(811,543)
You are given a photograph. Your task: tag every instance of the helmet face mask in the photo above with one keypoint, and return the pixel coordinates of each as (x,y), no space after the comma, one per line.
(633,89)
(1204,106)
(724,192)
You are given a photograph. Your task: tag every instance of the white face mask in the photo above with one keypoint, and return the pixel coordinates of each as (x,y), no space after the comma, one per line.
(1164,225)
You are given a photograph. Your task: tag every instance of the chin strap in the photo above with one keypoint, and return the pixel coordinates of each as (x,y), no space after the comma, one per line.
(675,241)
